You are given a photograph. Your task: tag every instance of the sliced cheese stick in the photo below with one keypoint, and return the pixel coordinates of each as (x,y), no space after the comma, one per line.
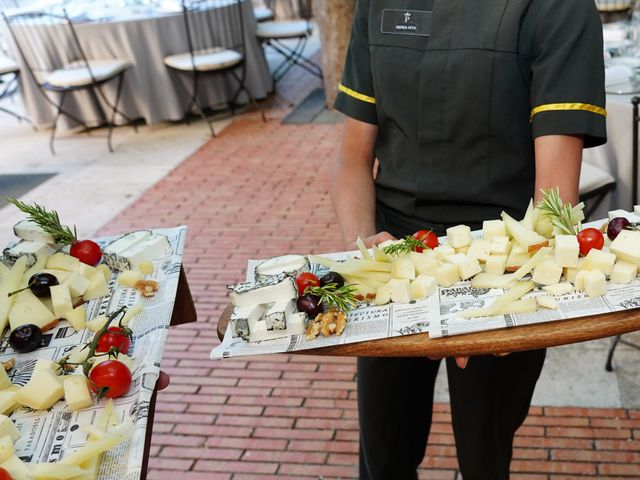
(501,302)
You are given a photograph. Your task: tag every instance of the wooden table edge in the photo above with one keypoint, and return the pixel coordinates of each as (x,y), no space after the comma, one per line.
(515,339)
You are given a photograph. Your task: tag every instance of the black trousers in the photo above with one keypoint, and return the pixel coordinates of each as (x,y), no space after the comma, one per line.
(490,399)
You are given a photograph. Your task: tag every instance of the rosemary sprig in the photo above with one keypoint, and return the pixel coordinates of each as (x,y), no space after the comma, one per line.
(404,246)
(48,221)
(560,214)
(343,298)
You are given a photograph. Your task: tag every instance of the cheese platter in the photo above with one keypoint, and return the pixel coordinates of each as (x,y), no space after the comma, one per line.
(86,322)
(557,280)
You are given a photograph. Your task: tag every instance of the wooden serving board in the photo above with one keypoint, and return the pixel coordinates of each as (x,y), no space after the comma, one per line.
(515,339)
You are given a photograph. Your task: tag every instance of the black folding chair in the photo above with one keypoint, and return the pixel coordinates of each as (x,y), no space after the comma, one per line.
(216,40)
(275,34)
(635,101)
(58,72)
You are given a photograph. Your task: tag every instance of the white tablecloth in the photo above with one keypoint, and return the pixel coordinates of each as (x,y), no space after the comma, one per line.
(150,91)
(615,155)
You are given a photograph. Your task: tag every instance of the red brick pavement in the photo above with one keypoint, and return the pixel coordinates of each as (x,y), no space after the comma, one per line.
(258,190)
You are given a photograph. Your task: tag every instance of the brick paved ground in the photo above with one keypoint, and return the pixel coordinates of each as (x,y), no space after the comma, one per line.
(259,190)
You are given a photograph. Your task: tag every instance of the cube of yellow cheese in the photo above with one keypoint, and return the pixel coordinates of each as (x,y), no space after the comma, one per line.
(517,257)
(595,283)
(571,272)
(97,323)
(626,246)
(5,381)
(468,267)
(567,250)
(146,268)
(128,278)
(459,236)
(85,270)
(61,275)
(97,288)
(62,261)
(500,246)
(424,264)
(401,268)
(547,301)
(493,228)
(46,364)
(42,391)
(8,402)
(443,251)
(623,272)
(495,264)
(77,318)
(61,300)
(400,290)
(7,427)
(558,289)
(77,284)
(447,274)
(383,294)
(479,249)
(28,308)
(17,468)
(76,392)
(7,449)
(547,272)
(599,260)
(106,272)
(422,287)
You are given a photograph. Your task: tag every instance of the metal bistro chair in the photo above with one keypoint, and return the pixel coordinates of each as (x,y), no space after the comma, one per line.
(274,34)
(58,72)
(9,72)
(262,13)
(595,184)
(216,39)
(635,101)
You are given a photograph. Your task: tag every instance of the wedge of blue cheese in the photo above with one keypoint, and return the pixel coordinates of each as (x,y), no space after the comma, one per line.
(242,317)
(134,248)
(26,248)
(259,331)
(278,314)
(273,289)
(30,230)
(292,264)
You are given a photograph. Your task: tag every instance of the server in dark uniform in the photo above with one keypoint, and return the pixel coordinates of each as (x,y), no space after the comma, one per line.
(470,108)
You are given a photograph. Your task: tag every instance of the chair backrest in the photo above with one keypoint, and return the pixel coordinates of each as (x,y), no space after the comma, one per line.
(46,41)
(214,24)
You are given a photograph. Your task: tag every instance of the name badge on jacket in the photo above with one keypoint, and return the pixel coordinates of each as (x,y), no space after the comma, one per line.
(406,22)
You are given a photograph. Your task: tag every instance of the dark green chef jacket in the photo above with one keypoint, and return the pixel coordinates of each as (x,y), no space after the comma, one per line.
(459,90)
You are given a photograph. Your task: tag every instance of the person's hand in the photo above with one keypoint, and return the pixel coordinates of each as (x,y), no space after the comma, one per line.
(163,381)
(376,239)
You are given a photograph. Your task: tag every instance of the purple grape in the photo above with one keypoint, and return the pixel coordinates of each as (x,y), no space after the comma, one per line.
(310,304)
(616,226)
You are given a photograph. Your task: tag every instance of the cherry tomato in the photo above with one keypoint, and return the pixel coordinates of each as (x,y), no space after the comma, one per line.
(427,237)
(110,379)
(306,279)
(114,337)
(4,475)
(87,251)
(590,238)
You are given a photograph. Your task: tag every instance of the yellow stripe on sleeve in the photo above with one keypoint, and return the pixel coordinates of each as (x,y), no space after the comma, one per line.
(551,107)
(356,95)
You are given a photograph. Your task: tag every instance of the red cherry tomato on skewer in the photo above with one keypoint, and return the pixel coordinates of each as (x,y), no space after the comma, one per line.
(427,237)
(4,475)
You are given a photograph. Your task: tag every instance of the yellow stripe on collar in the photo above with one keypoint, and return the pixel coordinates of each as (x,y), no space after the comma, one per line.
(550,107)
(354,94)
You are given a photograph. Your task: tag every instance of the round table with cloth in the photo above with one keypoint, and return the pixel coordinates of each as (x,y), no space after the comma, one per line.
(151,91)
